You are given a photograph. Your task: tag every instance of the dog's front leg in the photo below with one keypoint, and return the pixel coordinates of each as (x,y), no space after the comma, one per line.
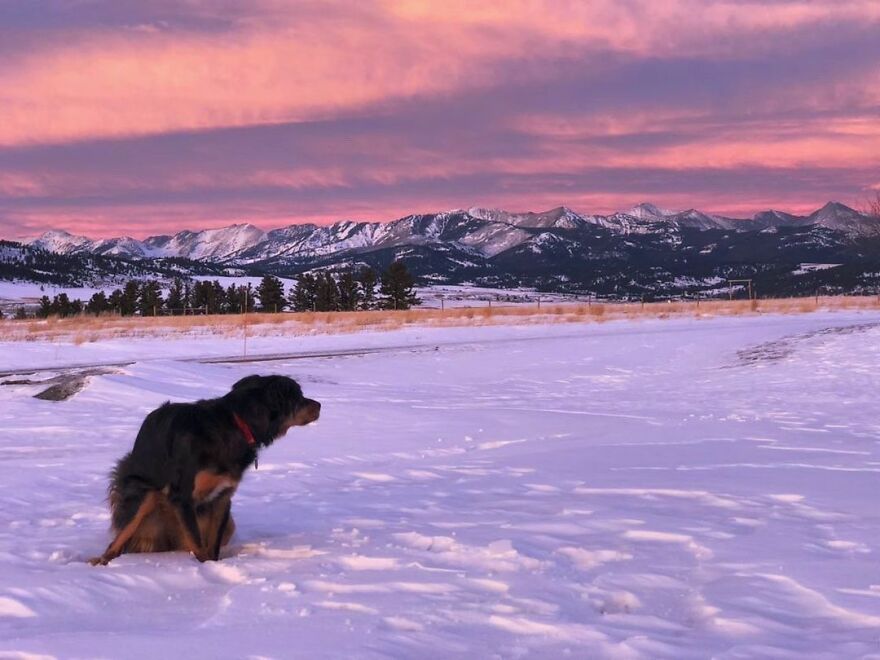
(182,504)
(221,530)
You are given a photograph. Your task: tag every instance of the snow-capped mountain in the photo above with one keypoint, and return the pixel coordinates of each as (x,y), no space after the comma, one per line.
(62,242)
(206,245)
(642,251)
(485,232)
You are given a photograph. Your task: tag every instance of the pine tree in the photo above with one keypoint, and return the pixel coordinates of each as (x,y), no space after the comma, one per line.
(61,306)
(218,297)
(249,297)
(271,294)
(200,296)
(150,298)
(326,293)
(349,292)
(45,308)
(187,297)
(128,303)
(20,313)
(367,280)
(176,300)
(115,301)
(303,297)
(98,304)
(239,297)
(230,300)
(398,288)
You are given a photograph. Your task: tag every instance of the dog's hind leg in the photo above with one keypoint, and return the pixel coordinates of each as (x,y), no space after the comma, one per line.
(117,546)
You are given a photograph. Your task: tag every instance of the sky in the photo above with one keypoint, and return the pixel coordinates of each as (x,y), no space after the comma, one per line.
(140,117)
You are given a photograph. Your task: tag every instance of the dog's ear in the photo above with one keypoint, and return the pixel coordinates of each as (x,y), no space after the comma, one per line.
(282,394)
(247,381)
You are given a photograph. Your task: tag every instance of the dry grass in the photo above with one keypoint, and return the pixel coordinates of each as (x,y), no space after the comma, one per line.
(85,329)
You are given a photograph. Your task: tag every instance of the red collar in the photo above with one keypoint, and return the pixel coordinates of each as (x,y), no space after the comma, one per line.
(245,430)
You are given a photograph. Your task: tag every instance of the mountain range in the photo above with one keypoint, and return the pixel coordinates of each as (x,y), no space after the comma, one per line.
(484,231)
(643,251)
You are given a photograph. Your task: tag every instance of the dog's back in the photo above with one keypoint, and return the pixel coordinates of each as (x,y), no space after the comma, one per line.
(143,468)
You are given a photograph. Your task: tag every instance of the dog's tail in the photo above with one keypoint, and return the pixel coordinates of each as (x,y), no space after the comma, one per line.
(114,491)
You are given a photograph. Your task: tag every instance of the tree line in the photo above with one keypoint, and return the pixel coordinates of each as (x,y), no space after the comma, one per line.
(320,291)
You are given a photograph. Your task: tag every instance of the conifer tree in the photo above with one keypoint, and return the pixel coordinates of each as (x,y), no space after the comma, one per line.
(98,304)
(115,301)
(326,293)
(45,308)
(271,294)
(128,304)
(367,280)
(349,292)
(303,297)
(176,297)
(398,288)
(150,298)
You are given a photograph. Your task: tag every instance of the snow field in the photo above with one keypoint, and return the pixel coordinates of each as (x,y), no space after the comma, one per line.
(677,489)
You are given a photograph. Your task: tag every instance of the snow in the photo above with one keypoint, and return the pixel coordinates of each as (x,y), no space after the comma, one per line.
(657,489)
(805,268)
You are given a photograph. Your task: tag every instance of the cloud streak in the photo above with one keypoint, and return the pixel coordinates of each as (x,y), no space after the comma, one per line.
(148,116)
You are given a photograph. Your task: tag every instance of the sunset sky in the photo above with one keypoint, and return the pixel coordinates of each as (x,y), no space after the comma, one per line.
(141,117)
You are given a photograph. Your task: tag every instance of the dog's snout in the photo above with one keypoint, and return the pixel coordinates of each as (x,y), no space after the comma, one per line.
(314,408)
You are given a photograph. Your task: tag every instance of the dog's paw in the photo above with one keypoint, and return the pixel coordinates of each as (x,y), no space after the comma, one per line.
(202,555)
(99,561)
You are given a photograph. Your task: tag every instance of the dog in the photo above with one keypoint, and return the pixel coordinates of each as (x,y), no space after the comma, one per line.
(174,490)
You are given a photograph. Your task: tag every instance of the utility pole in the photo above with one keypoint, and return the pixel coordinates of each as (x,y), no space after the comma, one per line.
(244,321)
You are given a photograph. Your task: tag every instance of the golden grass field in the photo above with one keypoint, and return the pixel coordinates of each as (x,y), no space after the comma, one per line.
(83,329)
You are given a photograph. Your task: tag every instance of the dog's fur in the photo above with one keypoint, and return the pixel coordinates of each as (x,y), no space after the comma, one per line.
(173,491)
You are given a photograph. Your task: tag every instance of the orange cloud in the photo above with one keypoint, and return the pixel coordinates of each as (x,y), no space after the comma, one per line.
(288,62)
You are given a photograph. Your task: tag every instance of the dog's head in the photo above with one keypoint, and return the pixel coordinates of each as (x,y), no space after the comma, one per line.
(275,403)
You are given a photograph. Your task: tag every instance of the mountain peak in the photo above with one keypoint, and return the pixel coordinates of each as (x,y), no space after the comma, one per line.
(648,211)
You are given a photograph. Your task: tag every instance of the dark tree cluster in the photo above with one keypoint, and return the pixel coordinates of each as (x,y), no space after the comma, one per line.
(146,298)
(323,291)
(320,291)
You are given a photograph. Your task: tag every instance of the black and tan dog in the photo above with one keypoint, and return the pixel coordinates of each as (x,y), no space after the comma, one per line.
(173,491)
